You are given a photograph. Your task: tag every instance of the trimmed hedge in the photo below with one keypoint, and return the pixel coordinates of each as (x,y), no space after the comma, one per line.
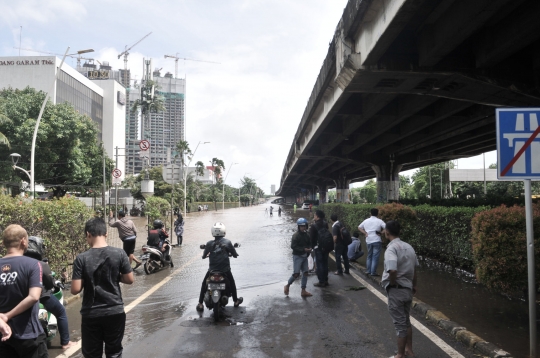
(499,244)
(442,233)
(59,222)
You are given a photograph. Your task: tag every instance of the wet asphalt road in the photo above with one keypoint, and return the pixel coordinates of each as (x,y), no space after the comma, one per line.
(332,323)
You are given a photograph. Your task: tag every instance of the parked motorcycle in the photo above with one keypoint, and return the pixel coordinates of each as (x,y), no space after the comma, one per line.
(217,295)
(47,319)
(153,259)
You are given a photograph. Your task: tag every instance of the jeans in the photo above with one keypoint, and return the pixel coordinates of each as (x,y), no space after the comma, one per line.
(374,251)
(322,265)
(357,255)
(105,329)
(300,265)
(341,251)
(232,286)
(54,306)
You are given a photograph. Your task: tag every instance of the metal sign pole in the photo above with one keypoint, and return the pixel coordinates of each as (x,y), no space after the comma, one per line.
(116,190)
(530,266)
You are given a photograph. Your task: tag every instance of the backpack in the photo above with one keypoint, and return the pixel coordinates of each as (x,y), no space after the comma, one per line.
(326,240)
(345,236)
(153,237)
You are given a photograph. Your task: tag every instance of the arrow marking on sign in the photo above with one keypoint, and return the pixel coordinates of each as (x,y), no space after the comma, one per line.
(521,151)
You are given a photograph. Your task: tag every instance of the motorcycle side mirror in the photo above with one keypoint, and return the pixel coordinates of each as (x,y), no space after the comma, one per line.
(237,245)
(203,247)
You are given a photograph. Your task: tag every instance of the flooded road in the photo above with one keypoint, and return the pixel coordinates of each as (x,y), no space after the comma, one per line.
(335,322)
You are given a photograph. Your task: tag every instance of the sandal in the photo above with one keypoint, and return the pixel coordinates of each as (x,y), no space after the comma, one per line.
(239,302)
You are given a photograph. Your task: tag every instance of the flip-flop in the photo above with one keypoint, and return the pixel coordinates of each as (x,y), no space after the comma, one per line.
(239,302)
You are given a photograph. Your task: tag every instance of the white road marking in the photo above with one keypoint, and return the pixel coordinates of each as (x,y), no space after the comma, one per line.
(419,326)
(71,351)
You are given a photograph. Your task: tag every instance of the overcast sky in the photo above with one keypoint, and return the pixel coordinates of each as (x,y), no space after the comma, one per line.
(248,107)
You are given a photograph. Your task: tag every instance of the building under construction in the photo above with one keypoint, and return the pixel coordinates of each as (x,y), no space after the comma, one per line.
(165,128)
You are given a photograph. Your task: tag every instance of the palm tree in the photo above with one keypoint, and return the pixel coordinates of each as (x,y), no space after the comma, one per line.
(3,139)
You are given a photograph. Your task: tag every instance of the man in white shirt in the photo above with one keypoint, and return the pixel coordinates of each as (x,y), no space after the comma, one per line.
(372,228)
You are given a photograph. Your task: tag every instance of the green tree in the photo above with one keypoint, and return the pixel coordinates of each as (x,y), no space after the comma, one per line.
(3,121)
(218,167)
(68,154)
(430,177)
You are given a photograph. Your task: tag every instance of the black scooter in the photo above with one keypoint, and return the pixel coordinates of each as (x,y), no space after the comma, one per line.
(153,259)
(218,293)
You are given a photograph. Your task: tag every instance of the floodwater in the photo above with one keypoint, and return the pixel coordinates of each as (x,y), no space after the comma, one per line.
(264,264)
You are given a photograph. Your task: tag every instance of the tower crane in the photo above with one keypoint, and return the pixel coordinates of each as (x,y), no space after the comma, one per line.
(78,57)
(126,53)
(176,58)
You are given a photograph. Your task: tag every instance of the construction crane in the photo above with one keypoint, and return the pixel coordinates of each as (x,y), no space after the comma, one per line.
(78,57)
(176,58)
(126,53)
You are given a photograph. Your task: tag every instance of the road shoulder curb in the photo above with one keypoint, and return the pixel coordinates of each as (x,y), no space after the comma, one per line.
(444,323)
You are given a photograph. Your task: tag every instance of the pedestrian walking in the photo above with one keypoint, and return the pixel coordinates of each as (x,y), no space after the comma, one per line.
(294,206)
(301,246)
(399,281)
(322,243)
(179,228)
(310,207)
(355,248)
(340,246)
(372,228)
(128,234)
(20,289)
(279,211)
(99,272)
(271,210)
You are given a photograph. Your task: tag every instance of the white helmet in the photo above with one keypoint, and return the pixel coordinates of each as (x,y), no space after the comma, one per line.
(218,230)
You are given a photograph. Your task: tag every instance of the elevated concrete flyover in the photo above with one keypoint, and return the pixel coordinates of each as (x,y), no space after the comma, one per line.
(407,83)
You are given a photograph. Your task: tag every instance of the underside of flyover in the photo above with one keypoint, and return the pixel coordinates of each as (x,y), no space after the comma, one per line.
(408,83)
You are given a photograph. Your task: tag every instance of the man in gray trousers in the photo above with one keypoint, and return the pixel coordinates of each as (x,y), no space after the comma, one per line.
(399,281)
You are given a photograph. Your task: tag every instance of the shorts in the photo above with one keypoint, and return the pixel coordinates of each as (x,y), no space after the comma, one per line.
(300,263)
(129,246)
(399,307)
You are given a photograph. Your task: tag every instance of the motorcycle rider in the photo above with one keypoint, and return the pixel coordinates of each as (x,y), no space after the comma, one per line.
(157,236)
(35,250)
(218,250)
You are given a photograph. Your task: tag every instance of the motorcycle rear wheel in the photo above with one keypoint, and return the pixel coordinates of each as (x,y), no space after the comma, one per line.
(217,309)
(149,268)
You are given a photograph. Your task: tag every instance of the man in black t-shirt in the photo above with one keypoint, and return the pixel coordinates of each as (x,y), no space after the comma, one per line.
(340,249)
(20,288)
(99,271)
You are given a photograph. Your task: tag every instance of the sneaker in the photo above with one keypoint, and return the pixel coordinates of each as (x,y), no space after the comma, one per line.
(375,274)
(326,284)
(319,284)
(338,273)
(346,272)
(367,272)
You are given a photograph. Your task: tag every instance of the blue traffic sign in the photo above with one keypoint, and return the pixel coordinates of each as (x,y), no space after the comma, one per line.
(518,143)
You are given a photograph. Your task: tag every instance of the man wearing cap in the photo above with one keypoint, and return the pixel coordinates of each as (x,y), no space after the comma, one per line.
(128,234)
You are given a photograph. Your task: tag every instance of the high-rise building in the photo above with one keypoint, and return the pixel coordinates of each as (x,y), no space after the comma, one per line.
(273,189)
(167,127)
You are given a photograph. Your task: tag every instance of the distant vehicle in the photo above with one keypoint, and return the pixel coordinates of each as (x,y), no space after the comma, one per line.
(305,206)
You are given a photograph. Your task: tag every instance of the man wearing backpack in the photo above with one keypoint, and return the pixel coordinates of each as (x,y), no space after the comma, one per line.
(323,243)
(342,239)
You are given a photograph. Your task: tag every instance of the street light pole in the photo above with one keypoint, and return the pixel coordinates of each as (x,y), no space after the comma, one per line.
(185,174)
(223,188)
(33,152)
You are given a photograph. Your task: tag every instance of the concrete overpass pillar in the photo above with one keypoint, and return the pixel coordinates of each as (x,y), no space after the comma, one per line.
(342,190)
(323,191)
(387,182)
